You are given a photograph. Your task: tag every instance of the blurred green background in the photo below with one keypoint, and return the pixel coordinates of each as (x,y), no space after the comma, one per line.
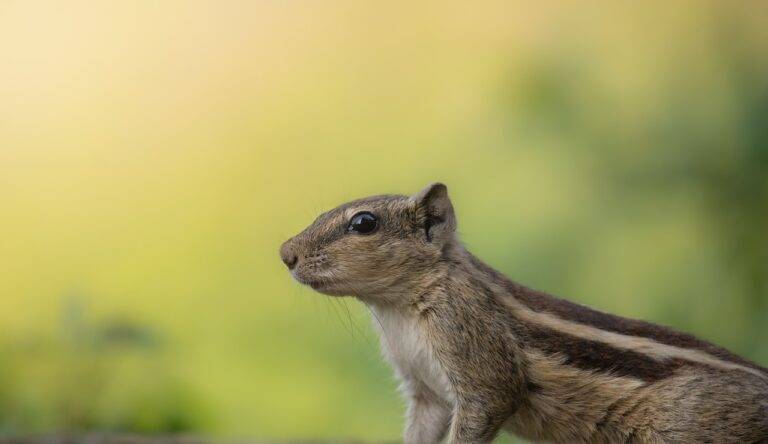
(154,155)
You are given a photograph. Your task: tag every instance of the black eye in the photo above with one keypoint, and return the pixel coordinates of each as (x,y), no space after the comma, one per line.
(363,223)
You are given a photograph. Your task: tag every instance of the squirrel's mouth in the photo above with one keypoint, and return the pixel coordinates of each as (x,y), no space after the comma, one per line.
(321,284)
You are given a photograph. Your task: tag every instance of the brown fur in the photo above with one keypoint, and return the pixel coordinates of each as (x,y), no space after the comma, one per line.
(478,353)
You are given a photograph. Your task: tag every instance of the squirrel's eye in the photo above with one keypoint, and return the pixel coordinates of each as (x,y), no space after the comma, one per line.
(363,223)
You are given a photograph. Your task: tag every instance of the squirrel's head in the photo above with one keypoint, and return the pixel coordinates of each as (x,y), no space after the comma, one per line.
(374,246)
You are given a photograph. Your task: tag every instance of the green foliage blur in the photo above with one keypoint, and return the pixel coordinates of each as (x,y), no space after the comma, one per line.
(154,156)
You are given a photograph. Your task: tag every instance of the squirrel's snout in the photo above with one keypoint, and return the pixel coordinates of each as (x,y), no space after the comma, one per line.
(290,261)
(288,256)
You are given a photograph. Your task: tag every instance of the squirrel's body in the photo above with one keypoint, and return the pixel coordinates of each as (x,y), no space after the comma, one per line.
(477,353)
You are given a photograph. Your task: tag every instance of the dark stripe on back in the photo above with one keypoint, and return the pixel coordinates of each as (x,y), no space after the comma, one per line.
(584,353)
(543,302)
(598,356)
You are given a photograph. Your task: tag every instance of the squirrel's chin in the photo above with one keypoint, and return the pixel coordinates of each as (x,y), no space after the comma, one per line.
(324,287)
(328,289)
(333,292)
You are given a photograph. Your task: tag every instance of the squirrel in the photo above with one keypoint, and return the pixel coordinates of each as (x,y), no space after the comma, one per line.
(477,353)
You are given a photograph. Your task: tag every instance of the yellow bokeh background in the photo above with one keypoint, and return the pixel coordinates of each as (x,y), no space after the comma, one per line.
(154,156)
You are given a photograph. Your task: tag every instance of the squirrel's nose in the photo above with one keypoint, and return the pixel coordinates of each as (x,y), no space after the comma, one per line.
(288,256)
(290,261)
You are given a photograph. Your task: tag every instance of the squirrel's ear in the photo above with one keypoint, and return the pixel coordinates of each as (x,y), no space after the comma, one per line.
(436,211)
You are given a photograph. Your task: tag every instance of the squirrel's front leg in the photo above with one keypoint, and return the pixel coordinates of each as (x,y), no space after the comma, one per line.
(475,424)
(483,362)
(427,421)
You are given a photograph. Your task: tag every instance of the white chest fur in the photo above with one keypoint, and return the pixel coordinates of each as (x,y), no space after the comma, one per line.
(406,349)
